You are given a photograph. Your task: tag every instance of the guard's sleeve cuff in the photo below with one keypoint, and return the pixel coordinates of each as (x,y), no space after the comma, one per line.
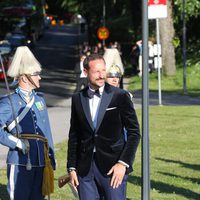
(19,144)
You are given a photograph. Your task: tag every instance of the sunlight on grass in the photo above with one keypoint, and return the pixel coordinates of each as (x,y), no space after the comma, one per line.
(174,158)
(173,84)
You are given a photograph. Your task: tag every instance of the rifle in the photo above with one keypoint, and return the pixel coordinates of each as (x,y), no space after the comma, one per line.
(9,96)
(63,180)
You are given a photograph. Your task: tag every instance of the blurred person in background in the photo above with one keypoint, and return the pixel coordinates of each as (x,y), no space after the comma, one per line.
(113,78)
(114,75)
(81,78)
(112,57)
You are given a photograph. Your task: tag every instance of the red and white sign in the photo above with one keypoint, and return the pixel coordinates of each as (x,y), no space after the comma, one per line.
(157,9)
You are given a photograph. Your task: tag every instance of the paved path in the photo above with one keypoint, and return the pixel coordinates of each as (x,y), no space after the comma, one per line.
(60,114)
(167,98)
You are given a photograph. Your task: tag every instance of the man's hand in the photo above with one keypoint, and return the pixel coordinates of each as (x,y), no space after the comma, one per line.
(118,172)
(23,145)
(74,179)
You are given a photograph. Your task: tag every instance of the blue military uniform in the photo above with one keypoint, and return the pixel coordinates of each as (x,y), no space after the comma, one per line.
(28,184)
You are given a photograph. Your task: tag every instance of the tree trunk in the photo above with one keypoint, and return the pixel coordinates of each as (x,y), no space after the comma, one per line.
(166,37)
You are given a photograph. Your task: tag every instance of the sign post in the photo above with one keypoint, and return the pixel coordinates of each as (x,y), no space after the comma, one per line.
(103,33)
(184,48)
(158,61)
(158,9)
(104,18)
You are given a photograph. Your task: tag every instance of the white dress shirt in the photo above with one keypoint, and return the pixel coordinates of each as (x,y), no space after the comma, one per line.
(94,105)
(94,110)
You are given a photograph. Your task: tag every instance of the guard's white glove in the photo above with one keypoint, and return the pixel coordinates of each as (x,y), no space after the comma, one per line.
(23,145)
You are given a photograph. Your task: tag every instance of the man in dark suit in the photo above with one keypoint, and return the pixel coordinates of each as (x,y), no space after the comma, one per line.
(98,155)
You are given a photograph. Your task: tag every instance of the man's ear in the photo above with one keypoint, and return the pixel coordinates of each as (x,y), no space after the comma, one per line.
(24,79)
(85,72)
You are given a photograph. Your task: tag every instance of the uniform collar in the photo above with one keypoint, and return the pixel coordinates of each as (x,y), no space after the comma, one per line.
(25,94)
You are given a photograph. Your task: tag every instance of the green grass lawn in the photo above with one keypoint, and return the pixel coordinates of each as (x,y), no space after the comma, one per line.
(172,84)
(174,155)
(174,158)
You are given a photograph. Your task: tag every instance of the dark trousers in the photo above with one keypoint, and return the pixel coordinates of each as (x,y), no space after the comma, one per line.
(24,184)
(95,186)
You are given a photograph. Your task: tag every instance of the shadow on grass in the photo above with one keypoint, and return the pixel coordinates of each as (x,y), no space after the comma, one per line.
(193,180)
(3,192)
(167,188)
(186,165)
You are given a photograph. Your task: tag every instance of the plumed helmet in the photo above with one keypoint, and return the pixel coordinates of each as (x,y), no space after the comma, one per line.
(112,57)
(114,71)
(24,62)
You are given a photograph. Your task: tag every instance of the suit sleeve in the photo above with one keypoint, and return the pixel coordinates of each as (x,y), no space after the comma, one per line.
(73,138)
(130,122)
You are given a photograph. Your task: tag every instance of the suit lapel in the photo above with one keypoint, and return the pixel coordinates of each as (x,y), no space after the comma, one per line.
(105,101)
(86,107)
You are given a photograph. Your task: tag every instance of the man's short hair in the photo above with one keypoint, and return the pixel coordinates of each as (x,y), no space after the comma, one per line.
(90,58)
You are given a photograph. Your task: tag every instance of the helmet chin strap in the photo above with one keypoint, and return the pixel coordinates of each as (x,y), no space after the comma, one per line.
(31,80)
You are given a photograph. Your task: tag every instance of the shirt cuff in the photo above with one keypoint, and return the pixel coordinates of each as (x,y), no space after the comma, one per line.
(123,163)
(71,169)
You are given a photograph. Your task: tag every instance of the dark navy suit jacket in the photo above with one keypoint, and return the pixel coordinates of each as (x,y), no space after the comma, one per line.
(116,112)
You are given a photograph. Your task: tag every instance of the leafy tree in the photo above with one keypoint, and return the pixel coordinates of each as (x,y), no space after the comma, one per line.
(123,18)
(192,17)
(167,34)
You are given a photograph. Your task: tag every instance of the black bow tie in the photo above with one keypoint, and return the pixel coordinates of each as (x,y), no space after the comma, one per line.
(92,93)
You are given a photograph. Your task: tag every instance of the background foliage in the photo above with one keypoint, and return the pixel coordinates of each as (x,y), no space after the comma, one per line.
(123,18)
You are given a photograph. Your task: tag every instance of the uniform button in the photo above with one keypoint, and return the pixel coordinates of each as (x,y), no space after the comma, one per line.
(95,135)
(35,126)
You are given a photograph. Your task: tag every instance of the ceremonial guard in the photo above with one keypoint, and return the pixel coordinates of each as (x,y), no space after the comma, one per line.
(25,129)
(113,77)
(112,57)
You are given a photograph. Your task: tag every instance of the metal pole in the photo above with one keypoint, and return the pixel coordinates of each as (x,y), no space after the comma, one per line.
(145,104)
(158,60)
(184,49)
(104,18)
